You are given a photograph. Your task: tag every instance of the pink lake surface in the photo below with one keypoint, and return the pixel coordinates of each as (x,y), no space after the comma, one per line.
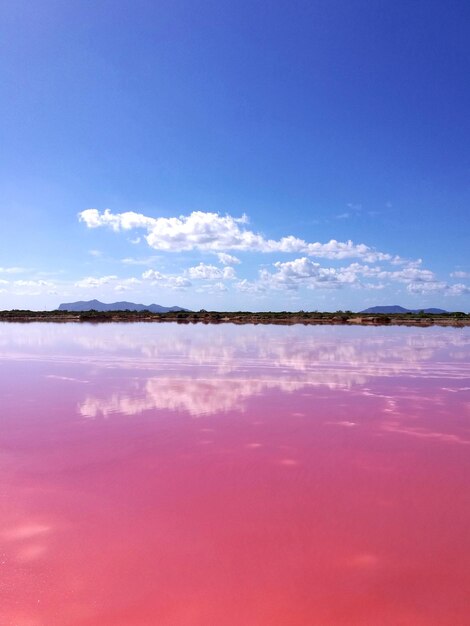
(166,475)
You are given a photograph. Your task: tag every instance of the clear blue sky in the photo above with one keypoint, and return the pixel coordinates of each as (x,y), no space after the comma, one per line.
(332,120)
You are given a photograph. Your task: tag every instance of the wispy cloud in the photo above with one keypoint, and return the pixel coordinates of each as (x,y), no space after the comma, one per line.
(13,270)
(150,260)
(93,282)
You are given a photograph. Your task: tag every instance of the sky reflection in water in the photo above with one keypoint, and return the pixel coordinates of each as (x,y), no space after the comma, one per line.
(199,475)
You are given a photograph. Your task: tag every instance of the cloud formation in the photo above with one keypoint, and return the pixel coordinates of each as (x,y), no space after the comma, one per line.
(441,287)
(92,282)
(211,272)
(303,272)
(227,259)
(208,231)
(167,281)
(12,270)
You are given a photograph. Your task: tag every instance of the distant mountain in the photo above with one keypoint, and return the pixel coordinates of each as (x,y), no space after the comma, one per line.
(96,305)
(431,310)
(399,309)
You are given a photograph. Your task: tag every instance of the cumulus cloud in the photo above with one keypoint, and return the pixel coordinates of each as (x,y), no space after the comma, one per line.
(250,286)
(154,277)
(304,272)
(211,272)
(212,288)
(364,267)
(457,289)
(120,221)
(118,284)
(127,284)
(410,275)
(208,231)
(168,281)
(227,259)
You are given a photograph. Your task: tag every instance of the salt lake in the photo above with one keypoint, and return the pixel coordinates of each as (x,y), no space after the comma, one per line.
(192,475)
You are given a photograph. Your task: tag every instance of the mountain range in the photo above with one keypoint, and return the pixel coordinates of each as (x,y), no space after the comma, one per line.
(96,305)
(399,309)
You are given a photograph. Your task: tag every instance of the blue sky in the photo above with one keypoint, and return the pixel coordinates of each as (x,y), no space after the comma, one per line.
(235,155)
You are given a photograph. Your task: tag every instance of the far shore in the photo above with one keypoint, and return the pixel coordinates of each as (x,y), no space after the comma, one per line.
(458,319)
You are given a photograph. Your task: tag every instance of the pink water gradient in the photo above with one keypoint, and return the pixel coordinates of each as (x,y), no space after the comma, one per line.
(203,476)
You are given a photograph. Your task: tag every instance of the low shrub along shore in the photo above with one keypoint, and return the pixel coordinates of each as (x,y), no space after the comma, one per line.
(458,318)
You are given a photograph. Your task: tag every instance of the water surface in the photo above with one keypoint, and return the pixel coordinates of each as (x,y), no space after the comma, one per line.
(226,476)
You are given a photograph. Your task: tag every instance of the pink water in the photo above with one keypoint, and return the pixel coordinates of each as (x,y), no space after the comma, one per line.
(165,475)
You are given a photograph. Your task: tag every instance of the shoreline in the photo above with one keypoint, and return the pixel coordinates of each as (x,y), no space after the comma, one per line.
(458,320)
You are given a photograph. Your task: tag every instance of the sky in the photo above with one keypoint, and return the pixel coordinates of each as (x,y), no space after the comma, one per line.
(235,155)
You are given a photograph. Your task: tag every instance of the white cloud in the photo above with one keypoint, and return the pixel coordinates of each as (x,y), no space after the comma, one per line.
(30,287)
(95,253)
(248,286)
(423,288)
(167,281)
(410,275)
(33,283)
(304,272)
(144,261)
(426,287)
(152,275)
(221,234)
(13,270)
(127,284)
(397,260)
(227,259)
(121,221)
(211,272)
(213,232)
(458,289)
(92,282)
(212,288)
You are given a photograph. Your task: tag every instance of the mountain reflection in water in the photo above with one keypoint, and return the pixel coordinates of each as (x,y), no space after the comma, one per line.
(199,475)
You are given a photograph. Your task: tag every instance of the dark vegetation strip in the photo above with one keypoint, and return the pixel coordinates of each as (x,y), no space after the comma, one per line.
(242,317)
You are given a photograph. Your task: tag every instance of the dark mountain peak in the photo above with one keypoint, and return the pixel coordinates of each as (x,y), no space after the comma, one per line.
(396,308)
(96,305)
